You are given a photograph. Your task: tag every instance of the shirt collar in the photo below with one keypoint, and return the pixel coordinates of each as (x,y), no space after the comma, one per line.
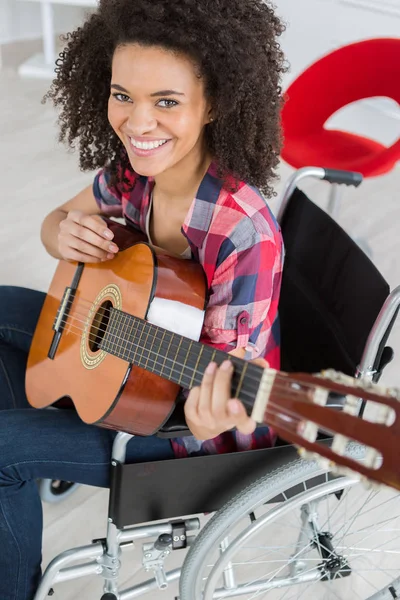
(198,219)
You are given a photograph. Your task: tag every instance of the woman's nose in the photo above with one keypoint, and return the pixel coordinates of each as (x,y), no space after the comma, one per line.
(141,120)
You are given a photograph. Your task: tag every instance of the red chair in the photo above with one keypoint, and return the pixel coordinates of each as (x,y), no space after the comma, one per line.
(360,70)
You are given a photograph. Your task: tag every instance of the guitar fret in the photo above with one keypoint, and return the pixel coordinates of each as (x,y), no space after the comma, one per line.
(195,368)
(135,350)
(144,348)
(158,353)
(165,357)
(185,361)
(176,353)
(125,335)
(239,386)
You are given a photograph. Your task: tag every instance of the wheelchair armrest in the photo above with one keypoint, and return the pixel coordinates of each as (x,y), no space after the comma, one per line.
(175,426)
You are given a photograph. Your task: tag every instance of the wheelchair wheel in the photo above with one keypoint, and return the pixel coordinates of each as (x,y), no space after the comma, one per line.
(54,490)
(299,532)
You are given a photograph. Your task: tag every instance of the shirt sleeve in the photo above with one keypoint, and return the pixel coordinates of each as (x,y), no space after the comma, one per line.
(108,197)
(243,298)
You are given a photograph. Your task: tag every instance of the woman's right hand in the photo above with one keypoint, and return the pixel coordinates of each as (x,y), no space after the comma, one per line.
(85,238)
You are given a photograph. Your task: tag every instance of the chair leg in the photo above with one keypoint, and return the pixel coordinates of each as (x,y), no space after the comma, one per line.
(335,200)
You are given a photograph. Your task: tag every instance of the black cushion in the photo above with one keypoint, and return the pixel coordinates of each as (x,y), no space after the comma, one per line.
(331,292)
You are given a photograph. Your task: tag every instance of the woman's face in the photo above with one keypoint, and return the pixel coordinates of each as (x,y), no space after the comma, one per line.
(157,107)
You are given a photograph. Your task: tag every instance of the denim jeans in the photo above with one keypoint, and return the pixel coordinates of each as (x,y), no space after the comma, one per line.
(38,444)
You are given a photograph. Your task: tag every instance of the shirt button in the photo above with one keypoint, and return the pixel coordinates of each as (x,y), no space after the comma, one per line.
(243,320)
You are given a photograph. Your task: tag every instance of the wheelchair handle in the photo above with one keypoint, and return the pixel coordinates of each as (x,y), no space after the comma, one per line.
(343,177)
(330,175)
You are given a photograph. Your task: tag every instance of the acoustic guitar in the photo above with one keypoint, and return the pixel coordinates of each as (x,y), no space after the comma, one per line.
(120,338)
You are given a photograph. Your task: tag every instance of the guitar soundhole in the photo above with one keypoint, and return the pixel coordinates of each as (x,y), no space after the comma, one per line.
(99,325)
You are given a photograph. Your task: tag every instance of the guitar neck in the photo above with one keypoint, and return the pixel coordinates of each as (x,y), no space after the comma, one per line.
(173,356)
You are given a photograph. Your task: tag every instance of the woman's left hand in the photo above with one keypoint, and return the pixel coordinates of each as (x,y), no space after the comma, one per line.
(210,410)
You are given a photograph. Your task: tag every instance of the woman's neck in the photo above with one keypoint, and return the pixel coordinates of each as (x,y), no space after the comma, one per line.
(180,183)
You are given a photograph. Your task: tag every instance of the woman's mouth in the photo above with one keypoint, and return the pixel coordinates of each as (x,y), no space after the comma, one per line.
(147,148)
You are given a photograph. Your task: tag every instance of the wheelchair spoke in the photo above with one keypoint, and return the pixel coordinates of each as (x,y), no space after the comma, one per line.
(331,540)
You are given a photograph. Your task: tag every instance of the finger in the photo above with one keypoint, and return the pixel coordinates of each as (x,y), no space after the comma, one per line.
(191,403)
(222,391)
(238,415)
(69,227)
(206,388)
(261,362)
(97,224)
(74,243)
(71,254)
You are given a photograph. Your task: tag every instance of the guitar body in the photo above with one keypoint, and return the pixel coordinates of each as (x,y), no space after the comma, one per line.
(105,389)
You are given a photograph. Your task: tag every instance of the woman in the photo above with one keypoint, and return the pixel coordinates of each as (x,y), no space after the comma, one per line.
(176,104)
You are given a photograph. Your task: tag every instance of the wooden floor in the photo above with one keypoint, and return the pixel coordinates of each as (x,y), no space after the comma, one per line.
(37,175)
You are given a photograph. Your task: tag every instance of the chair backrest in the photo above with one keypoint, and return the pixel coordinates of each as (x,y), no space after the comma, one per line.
(360,70)
(331,292)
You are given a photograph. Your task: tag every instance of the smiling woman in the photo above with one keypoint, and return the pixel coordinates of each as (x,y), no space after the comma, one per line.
(175,104)
(161,129)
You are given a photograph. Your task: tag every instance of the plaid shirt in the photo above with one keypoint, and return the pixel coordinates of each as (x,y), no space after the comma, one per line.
(236,239)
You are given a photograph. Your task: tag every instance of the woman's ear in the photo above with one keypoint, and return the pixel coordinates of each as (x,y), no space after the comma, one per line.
(210,115)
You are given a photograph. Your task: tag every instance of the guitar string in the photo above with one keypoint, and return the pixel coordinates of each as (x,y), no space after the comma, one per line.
(77,330)
(133,328)
(289,392)
(280,412)
(146,354)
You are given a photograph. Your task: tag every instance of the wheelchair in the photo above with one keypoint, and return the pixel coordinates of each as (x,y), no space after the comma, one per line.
(277,526)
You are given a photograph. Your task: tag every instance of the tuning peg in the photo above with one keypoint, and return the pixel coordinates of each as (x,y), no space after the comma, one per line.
(394,393)
(337,377)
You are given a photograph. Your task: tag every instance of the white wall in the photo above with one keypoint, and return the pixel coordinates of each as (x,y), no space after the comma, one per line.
(317,26)
(20,20)
(314,27)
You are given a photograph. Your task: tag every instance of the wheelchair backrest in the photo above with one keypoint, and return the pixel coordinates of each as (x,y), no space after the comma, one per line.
(331,292)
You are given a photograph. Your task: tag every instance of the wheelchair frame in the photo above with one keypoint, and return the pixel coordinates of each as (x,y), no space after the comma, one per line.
(213,477)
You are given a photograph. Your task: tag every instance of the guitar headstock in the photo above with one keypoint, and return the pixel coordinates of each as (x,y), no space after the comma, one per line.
(297,407)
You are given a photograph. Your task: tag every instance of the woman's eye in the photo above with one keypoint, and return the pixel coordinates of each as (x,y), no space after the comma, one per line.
(166,103)
(121,97)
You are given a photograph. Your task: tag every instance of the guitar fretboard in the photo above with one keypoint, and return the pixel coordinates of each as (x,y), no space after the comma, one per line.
(173,356)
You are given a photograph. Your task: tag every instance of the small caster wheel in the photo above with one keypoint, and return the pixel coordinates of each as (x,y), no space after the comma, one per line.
(54,490)
(108,596)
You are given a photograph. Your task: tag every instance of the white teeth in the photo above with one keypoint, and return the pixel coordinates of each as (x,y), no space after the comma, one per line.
(147,145)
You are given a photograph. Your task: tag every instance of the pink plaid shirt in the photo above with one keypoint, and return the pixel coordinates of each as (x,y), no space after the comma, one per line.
(236,239)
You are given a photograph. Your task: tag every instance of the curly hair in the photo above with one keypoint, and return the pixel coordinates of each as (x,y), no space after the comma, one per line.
(234,44)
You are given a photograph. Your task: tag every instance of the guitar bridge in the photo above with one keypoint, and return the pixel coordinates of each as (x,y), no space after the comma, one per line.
(63,311)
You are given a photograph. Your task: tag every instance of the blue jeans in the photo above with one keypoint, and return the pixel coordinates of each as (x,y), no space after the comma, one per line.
(39,444)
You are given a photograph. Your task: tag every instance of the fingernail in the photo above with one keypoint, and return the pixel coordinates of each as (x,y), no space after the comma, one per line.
(113,248)
(211,368)
(108,234)
(226,365)
(110,255)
